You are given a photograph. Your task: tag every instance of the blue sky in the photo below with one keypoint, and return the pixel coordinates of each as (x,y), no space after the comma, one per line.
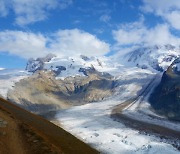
(33,28)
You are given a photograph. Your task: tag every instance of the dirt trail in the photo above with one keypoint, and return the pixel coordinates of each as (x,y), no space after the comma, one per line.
(29,133)
(10,135)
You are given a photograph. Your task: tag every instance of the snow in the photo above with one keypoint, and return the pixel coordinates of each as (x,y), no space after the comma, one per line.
(141,110)
(92,123)
(8,78)
(73,64)
(152,58)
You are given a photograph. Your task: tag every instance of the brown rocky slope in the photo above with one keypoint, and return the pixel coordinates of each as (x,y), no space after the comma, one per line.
(166,97)
(22,132)
(42,92)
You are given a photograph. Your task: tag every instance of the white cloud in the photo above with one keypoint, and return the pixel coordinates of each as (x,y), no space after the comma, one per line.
(64,43)
(174,19)
(30,11)
(138,34)
(169,10)
(3,8)
(78,42)
(129,34)
(105,18)
(161,35)
(23,44)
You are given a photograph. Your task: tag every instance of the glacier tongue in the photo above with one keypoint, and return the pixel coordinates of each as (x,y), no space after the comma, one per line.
(92,123)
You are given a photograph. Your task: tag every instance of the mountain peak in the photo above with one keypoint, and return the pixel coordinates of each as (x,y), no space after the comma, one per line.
(154,57)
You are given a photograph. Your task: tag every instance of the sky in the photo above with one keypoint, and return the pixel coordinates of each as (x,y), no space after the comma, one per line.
(34,28)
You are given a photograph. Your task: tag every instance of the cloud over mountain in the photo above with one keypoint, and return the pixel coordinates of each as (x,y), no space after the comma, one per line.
(136,33)
(62,42)
(168,10)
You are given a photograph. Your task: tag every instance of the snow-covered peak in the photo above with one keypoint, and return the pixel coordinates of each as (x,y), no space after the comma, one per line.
(38,64)
(70,66)
(73,65)
(157,57)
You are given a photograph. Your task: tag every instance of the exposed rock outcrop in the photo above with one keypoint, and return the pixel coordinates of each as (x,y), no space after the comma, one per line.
(34,65)
(59,69)
(85,58)
(42,92)
(166,97)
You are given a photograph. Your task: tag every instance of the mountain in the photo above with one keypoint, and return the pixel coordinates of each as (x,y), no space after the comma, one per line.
(166,97)
(79,93)
(154,57)
(62,82)
(34,65)
(8,77)
(59,83)
(67,66)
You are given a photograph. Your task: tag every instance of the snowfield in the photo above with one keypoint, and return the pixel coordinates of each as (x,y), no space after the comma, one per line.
(73,64)
(152,58)
(8,78)
(92,122)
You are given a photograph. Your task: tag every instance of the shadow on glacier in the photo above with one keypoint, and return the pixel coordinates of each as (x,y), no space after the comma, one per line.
(40,109)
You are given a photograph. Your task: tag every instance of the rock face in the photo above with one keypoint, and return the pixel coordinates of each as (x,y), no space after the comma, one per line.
(86,71)
(69,66)
(42,92)
(34,65)
(85,58)
(166,97)
(59,69)
(155,57)
(60,82)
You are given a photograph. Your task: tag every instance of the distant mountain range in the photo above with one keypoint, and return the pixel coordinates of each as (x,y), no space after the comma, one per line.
(77,80)
(166,98)
(80,92)
(59,83)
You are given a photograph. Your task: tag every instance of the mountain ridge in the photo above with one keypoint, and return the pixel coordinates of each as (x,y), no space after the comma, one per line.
(166,97)
(157,58)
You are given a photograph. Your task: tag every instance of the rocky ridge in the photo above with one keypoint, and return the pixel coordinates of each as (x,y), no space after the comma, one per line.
(166,97)
(44,91)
